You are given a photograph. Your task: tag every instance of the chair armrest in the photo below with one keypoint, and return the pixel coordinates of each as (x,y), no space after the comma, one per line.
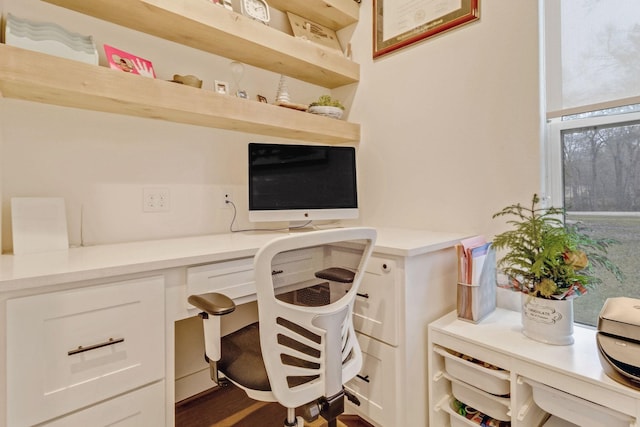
(213,303)
(336,274)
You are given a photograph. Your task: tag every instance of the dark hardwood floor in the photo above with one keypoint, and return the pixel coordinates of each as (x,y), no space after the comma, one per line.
(230,407)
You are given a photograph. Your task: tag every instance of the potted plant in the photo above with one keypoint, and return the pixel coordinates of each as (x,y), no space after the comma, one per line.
(327,106)
(551,264)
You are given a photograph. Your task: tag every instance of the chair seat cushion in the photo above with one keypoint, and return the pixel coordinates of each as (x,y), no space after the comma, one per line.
(241,358)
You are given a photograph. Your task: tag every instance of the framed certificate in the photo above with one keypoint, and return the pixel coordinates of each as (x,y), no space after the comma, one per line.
(399,23)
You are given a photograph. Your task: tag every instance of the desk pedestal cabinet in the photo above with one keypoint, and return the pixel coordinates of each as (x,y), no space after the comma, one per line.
(100,348)
(493,368)
(399,296)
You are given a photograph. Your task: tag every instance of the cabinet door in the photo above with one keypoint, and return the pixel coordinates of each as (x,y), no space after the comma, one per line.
(143,407)
(375,385)
(375,311)
(71,349)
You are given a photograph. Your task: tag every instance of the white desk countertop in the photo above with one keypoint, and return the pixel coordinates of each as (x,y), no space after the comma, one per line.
(100,261)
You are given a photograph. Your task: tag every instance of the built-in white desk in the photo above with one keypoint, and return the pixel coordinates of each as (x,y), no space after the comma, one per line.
(51,298)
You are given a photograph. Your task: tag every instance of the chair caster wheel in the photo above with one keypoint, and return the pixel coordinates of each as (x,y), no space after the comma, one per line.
(299,422)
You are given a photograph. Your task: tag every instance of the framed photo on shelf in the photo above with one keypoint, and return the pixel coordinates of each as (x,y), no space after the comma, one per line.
(305,29)
(221,87)
(225,3)
(125,61)
(400,23)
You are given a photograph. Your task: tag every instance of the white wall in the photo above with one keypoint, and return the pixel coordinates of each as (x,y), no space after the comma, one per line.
(450,134)
(451,124)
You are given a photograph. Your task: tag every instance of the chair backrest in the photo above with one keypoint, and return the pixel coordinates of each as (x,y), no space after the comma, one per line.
(310,351)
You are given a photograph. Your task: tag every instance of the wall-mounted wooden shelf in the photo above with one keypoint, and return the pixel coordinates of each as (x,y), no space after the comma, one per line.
(48,79)
(205,26)
(334,14)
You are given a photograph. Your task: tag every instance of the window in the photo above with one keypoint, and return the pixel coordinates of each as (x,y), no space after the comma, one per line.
(598,160)
(592,146)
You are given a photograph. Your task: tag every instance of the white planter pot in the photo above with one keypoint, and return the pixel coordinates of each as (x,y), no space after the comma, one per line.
(547,321)
(325,110)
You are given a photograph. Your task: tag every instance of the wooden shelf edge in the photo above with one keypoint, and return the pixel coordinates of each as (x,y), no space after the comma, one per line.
(210,28)
(28,75)
(334,14)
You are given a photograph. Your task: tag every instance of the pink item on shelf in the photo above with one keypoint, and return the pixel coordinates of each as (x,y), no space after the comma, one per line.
(121,60)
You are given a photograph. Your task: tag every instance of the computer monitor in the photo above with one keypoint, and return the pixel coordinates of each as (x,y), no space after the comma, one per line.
(301,183)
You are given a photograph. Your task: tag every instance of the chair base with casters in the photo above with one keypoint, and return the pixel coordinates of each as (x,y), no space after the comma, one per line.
(297,355)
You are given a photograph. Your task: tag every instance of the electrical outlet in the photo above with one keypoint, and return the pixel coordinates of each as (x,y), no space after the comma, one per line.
(226,195)
(156,200)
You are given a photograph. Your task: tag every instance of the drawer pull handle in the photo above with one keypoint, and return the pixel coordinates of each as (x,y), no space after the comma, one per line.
(365,378)
(274,272)
(82,349)
(362,295)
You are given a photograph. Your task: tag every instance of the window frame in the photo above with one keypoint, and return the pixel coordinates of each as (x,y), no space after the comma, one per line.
(553,169)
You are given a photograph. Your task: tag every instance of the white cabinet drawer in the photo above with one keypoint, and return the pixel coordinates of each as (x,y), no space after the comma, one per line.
(235,278)
(375,385)
(375,311)
(143,407)
(70,349)
(231,278)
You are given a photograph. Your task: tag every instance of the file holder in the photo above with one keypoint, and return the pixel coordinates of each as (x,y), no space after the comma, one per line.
(476,301)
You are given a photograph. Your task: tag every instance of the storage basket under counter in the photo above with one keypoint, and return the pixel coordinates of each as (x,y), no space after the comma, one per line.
(479,390)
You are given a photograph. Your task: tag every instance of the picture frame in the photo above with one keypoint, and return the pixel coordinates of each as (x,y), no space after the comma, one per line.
(127,62)
(401,23)
(221,87)
(314,32)
(225,3)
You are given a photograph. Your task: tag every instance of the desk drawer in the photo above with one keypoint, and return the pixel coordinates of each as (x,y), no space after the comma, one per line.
(235,278)
(375,385)
(375,312)
(143,407)
(71,349)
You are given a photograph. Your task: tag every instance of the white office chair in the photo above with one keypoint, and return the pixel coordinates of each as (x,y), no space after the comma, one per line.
(297,355)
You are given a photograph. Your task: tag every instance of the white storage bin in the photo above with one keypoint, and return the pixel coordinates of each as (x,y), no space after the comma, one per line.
(494,381)
(554,421)
(576,410)
(457,420)
(494,406)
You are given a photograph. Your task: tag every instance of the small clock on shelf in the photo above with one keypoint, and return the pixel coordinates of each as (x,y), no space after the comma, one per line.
(256,9)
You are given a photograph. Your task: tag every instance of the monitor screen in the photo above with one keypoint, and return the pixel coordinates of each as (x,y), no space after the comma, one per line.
(301,182)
